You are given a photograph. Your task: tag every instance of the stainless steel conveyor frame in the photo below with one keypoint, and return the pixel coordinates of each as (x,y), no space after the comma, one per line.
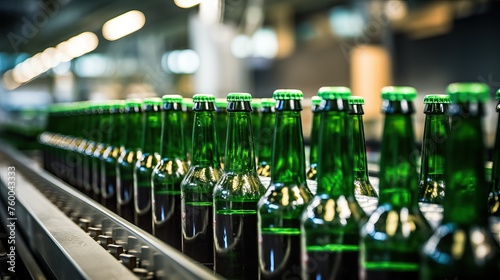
(68,231)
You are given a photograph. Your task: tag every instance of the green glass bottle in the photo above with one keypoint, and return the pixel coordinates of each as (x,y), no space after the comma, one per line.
(82,146)
(150,157)
(393,236)
(330,223)
(198,184)
(494,200)
(264,137)
(256,120)
(188,118)
(221,124)
(279,209)
(110,155)
(463,247)
(94,137)
(132,139)
(236,195)
(431,186)
(168,175)
(103,124)
(362,185)
(313,146)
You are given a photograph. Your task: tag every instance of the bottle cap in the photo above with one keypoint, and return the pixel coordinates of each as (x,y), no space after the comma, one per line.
(288,94)
(256,103)
(133,102)
(187,102)
(468,92)
(316,100)
(200,97)
(498,94)
(267,102)
(436,99)
(117,104)
(221,102)
(240,96)
(151,101)
(356,100)
(172,98)
(329,93)
(399,93)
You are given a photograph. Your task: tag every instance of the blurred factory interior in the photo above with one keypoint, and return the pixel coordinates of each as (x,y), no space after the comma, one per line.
(72,50)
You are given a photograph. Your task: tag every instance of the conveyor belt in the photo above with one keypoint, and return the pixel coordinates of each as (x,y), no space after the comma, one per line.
(69,232)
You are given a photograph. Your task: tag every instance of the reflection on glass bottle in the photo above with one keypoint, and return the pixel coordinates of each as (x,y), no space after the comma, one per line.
(279,209)
(198,184)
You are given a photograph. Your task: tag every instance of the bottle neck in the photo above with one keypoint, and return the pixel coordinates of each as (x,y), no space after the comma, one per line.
(240,153)
(359,147)
(133,130)
(335,172)
(114,131)
(495,172)
(288,158)
(172,141)
(436,131)
(466,190)
(313,153)
(105,127)
(205,152)
(151,131)
(265,135)
(398,160)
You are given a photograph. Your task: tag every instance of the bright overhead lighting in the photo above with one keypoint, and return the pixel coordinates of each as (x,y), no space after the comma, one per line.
(123,25)
(186,3)
(51,57)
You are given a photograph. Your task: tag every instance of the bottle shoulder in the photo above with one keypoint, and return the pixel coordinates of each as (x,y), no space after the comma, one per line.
(201,177)
(173,169)
(239,186)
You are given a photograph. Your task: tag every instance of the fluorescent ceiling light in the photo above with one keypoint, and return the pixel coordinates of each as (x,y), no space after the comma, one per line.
(123,25)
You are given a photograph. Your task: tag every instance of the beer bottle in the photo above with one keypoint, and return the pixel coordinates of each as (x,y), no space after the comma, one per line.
(221,124)
(279,209)
(132,138)
(168,174)
(265,137)
(494,200)
(463,247)
(431,186)
(198,184)
(187,120)
(392,238)
(74,159)
(236,195)
(103,123)
(150,157)
(256,121)
(362,185)
(110,155)
(330,223)
(81,175)
(94,136)
(313,146)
